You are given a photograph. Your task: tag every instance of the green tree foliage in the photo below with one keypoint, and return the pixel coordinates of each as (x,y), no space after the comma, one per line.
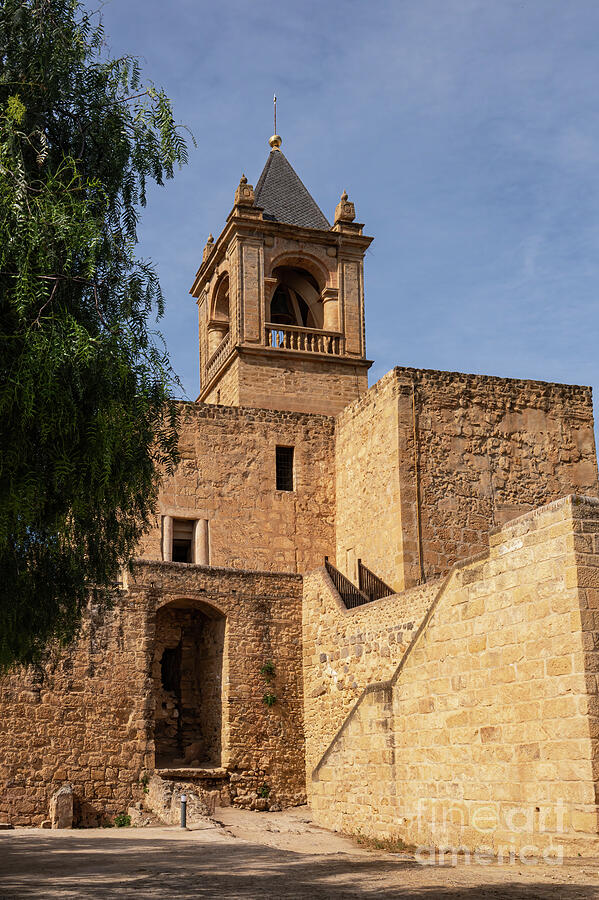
(87,419)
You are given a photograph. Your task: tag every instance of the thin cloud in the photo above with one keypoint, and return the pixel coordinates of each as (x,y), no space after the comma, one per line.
(466,132)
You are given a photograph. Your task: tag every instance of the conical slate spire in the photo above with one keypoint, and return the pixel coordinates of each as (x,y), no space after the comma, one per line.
(284,198)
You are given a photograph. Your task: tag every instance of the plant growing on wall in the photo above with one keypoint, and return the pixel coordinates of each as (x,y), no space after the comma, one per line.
(268,672)
(122,820)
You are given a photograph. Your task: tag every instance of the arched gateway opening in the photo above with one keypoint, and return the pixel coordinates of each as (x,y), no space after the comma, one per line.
(188,665)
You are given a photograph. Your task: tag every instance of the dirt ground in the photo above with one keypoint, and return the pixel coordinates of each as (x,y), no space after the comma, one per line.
(257,855)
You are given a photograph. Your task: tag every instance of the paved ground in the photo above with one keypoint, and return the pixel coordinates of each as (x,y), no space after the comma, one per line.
(256,855)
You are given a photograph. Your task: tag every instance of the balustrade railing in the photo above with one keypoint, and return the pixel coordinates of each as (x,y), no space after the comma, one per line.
(219,356)
(308,340)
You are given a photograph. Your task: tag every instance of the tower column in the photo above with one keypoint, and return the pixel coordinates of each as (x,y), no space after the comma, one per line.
(251,286)
(330,309)
(201,550)
(167,538)
(216,333)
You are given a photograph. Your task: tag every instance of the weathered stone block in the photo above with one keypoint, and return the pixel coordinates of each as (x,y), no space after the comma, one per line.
(61,807)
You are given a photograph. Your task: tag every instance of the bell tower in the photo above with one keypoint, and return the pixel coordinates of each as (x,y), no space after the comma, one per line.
(280,296)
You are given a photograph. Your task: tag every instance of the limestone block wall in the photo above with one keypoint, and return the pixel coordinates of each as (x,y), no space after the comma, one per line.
(284,380)
(428,462)
(227,475)
(226,390)
(346,649)
(369,523)
(88,716)
(486,735)
(354,790)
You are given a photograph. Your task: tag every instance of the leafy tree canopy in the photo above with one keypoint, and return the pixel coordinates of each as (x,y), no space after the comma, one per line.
(87,418)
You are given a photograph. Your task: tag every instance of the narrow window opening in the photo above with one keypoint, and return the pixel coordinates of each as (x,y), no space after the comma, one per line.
(182,540)
(284,468)
(170,669)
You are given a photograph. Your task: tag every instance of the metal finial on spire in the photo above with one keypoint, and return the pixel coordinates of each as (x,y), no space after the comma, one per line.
(275,141)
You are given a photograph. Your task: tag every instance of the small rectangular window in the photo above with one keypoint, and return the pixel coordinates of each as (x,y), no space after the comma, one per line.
(182,540)
(284,468)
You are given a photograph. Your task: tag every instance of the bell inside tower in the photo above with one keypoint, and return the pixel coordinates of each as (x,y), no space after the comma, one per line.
(296,299)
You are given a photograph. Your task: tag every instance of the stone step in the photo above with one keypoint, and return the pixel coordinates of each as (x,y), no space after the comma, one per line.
(163,797)
(199,773)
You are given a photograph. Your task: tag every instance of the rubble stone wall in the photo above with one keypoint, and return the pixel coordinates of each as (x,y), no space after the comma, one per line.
(87,717)
(428,462)
(488,450)
(346,649)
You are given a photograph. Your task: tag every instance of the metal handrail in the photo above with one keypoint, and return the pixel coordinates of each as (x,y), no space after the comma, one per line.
(349,593)
(371,585)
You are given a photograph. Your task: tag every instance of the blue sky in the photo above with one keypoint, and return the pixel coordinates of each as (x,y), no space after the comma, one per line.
(465,131)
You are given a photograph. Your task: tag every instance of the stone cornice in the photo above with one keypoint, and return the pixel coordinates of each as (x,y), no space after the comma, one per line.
(250,227)
(271,353)
(266,353)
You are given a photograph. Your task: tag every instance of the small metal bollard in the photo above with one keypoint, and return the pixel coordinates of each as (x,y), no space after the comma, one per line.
(183,810)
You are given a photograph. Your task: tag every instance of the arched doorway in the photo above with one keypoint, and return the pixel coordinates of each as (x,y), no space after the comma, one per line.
(188,669)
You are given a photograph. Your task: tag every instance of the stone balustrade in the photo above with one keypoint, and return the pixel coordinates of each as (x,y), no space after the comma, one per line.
(218,357)
(306,340)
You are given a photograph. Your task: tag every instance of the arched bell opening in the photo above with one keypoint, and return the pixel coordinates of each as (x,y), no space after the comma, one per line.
(218,327)
(188,666)
(296,299)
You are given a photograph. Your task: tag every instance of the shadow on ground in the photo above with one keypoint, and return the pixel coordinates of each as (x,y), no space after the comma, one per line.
(37,865)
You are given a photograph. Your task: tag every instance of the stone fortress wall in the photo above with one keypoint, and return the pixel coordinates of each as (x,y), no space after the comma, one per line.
(410,478)
(92,715)
(227,476)
(428,462)
(486,734)
(88,718)
(238,665)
